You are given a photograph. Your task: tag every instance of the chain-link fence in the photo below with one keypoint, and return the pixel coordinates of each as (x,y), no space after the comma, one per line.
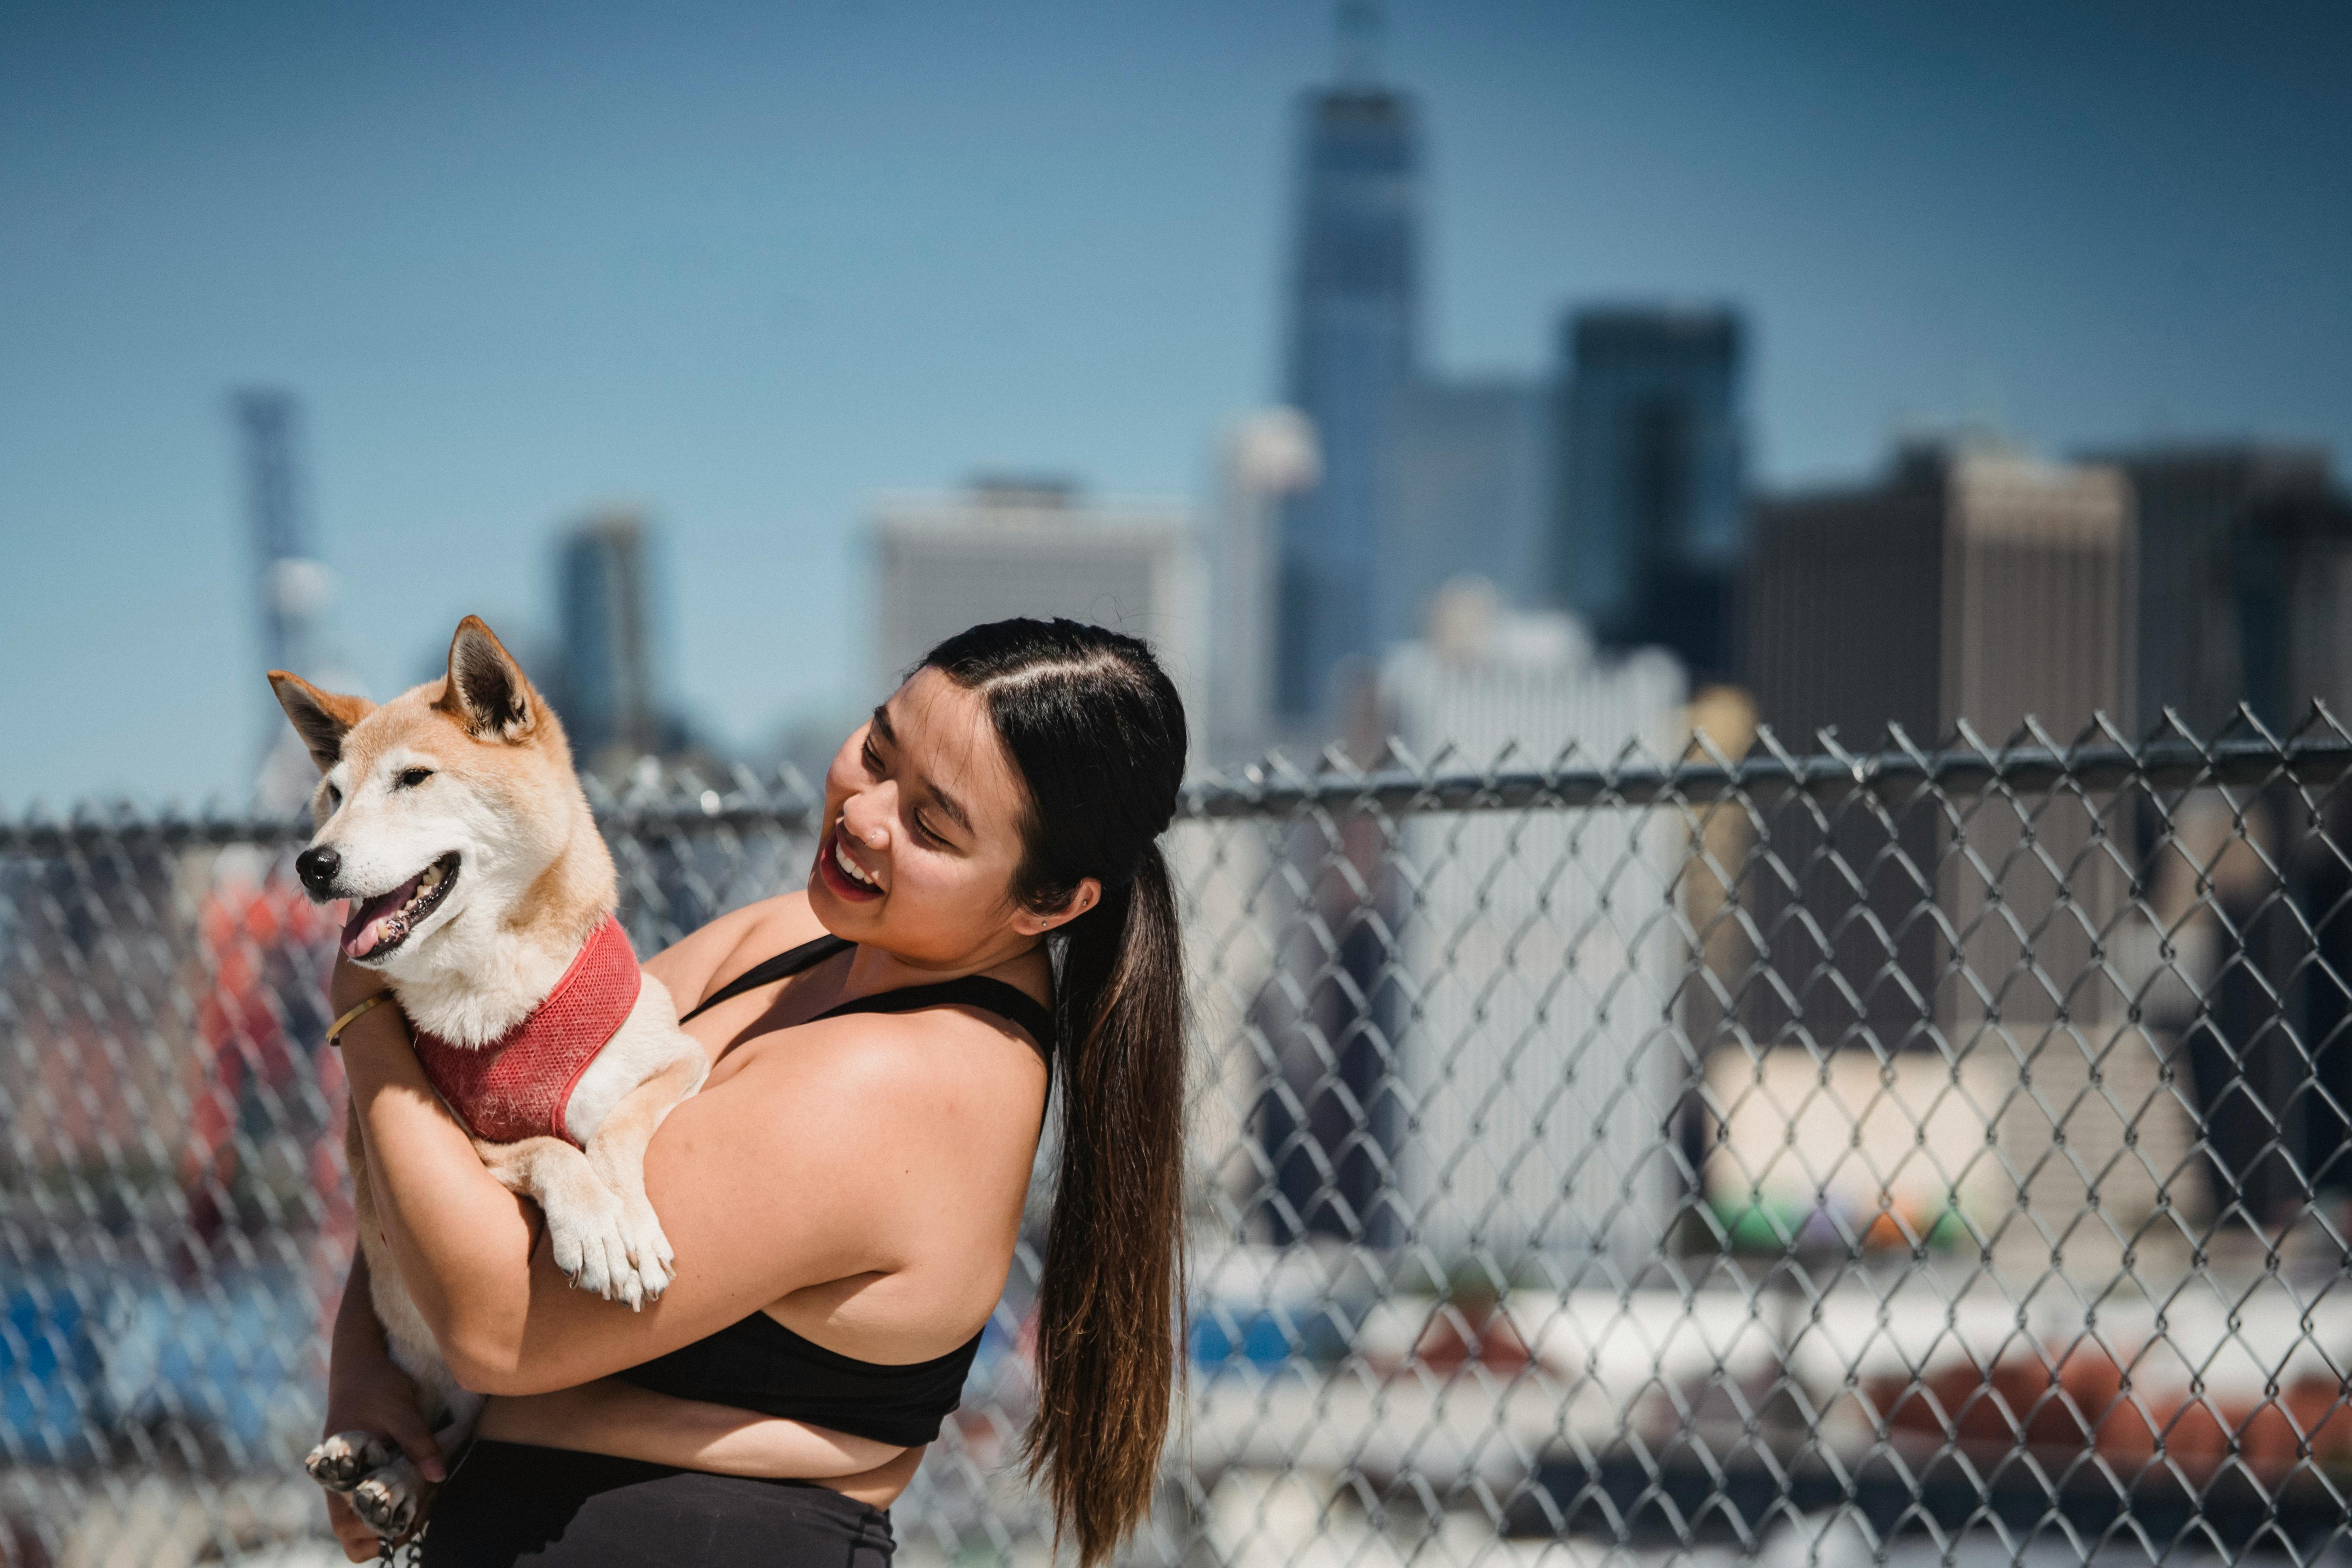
(1940,1154)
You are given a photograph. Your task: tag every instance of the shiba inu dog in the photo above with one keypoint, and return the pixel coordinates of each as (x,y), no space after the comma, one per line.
(451,819)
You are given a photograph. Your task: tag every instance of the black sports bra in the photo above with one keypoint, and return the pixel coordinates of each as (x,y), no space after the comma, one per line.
(757,1363)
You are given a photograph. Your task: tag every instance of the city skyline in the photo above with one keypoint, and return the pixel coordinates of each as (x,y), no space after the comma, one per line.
(750,273)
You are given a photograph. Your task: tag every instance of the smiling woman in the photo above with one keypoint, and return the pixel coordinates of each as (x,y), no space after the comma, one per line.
(846,1194)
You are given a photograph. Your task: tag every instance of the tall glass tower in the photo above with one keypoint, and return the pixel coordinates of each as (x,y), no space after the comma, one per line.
(1353,293)
(1651,535)
(609,704)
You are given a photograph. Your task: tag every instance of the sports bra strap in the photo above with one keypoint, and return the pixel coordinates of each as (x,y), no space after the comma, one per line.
(767,971)
(1007,1002)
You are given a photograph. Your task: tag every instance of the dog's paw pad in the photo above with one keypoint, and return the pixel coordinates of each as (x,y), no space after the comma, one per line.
(387,1506)
(339,1463)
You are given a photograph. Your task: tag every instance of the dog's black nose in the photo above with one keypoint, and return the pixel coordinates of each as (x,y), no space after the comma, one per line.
(316,868)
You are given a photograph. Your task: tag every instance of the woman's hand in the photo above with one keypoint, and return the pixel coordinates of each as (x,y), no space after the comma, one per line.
(367,1393)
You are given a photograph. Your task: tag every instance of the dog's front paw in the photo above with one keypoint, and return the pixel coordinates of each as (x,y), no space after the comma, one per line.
(389,1501)
(587,1235)
(649,1250)
(608,1242)
(341,1462)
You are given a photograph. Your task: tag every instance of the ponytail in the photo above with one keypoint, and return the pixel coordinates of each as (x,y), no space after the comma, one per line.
(1109,1302)
(1096,730)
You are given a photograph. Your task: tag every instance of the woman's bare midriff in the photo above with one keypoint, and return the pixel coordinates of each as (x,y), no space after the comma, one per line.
(610,1417)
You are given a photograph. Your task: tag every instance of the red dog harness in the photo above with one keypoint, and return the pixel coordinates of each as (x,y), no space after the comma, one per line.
(518,1085)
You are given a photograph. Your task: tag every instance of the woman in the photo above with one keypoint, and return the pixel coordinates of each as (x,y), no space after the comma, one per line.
(846,1192)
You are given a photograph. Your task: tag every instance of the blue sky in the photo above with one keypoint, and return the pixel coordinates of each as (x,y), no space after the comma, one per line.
(749,265)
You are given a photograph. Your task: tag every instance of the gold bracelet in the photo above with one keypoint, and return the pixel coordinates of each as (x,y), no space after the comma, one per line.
(335,1030)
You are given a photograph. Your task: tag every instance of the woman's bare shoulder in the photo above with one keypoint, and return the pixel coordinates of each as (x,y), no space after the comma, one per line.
(717,952)
(930,1071)
(934,1096)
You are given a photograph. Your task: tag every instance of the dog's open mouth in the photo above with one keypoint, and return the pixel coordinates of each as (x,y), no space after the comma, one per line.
(380,924)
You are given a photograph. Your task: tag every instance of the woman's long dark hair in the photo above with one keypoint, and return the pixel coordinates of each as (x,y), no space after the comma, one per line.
(1096,732)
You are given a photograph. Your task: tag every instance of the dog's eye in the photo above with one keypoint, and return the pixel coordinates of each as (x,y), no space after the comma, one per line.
(334,797)
(411,777)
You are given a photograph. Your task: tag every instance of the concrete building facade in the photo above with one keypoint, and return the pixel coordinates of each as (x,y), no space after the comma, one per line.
(1979,588)
(1008,547)
(2191,501)
(1538,1061)
(1265,460)
(1966,585)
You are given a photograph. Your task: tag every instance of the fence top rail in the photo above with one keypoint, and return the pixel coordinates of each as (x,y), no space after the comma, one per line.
(684,804)
(1276,790)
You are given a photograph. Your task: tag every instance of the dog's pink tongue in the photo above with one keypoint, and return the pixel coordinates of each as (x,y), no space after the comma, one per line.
(364,930)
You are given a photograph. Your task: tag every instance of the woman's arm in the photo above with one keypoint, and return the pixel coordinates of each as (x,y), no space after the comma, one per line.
(819,1163)
(366,1392)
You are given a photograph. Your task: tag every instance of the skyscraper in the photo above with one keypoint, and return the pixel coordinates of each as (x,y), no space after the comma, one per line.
(2193,503)
(1352,305)
(608,699)
(1972,584)
(1552,1099)
(1266,458)
(1649,532)
(2290,581)
(1465,498)
(1977,586)
(1010,546)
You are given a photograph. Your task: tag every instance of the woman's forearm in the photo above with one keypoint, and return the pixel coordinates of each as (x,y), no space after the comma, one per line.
(462,1241)
(357,1344)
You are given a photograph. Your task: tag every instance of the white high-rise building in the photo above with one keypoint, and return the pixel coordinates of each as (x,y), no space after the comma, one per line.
(1005,547)
(1266,458)
(1540,1059)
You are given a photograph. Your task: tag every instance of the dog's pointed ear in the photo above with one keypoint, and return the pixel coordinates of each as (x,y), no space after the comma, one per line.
(487,692)
(321,718)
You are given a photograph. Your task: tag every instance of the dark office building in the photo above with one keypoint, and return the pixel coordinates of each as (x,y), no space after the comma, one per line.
(1973,587)
(1648,534)
(2291,581)
(2290,577)
(2274,1058)
(1354,280)
(2190,500)
(2247,575)
(607,695)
